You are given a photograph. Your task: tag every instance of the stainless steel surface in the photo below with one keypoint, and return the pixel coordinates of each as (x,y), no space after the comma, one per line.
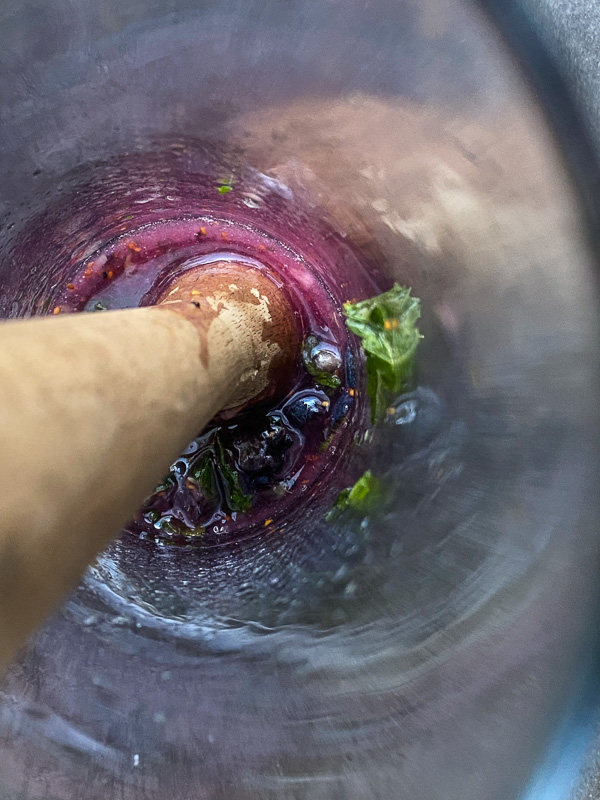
(570,31)
(461,634)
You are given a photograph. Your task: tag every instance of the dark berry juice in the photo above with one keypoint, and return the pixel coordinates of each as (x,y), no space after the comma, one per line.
(123,243)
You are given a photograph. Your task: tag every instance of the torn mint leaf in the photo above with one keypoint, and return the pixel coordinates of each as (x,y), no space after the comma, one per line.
(204,473)
(386,325)
(364,496)
(235,497)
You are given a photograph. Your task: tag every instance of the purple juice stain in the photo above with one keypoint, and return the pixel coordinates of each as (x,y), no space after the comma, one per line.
(132,234)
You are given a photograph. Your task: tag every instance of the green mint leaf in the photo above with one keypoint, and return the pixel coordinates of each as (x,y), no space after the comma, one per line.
(235,498)
(225,184)
(204,474)
(364,496)
(386,325)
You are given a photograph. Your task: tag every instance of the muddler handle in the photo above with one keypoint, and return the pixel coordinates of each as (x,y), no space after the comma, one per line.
(95,407)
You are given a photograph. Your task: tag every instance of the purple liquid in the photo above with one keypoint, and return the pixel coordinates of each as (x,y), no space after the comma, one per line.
(247,474)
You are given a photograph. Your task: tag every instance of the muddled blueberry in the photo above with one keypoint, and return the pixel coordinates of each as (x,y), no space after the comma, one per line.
(254,456)
(326,360)
(263,453)
(418,418)
(350,370)
(322,360)
(190,504)
(305,408)
(262,482)
(403,413)
(341,409)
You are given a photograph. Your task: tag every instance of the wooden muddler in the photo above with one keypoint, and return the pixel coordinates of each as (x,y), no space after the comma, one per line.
(95,407)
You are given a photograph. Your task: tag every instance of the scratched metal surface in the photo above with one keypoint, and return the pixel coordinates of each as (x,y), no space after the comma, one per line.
(570,32)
